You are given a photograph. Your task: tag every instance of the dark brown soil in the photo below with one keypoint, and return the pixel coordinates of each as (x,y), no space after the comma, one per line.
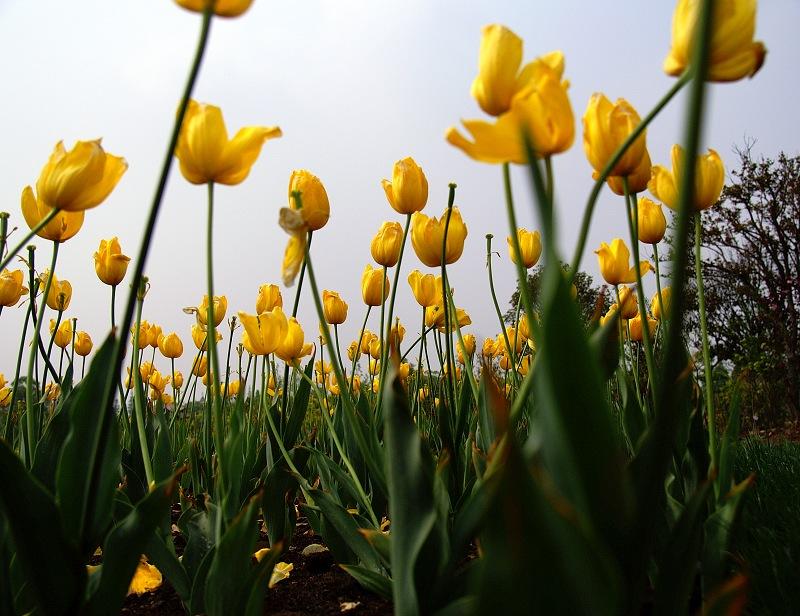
(316,585)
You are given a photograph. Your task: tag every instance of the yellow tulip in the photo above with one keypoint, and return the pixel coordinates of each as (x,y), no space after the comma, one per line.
(374,366)
(437,318)
(627,299)
(5,396)
(292,348)
(488,347)
(153,334)
(733,53)
(61,228)
(404,370)
(83,344)
(334,308)
(222,8)
(375,348)
(316,207)
(171,346)
(530,247)
(11,287)
(374,286)
(637,181)
(144,327)
(708,182)
(321,370)
(408,191)
(605,127)
(353,350)
(80,179)
(63,336)
(200,336)
(60,294)
(207,155)
(109,262)
(469,343)
(269,296)
(146,369)
(265,331)
(385,246)
(396,334)
(366,341)
(219,309)
(200,366)
(614,263)
(2,380)
(146,578)
(651,221)
(635,328)
(158,381)
(427,234)
(655,303)
(295,225)
(427,288)
(177,379)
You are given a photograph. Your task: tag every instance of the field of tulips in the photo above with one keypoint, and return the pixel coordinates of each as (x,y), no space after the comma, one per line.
(566,465)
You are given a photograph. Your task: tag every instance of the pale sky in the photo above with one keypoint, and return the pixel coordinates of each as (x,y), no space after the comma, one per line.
(355,85)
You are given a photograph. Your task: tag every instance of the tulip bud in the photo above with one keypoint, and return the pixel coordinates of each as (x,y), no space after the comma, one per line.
(708,181)
(386,244)
(200,337)
(269,296)
(334,308)
(530,247)
(408,191)
(374,286)
(637,181)
(11,287)
(426,288)
(651,221)
(375,348)
(153,334)
(659,311)
(635,328)
(427,235)
(83,344)
(177,379)
(627,299)
(316,209)
(219,309)
(200,366)
(614,263)
(605,127)
(109,262)
(63,336)
(171,346)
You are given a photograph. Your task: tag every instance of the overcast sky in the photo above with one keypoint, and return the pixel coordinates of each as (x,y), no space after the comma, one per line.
(355,85)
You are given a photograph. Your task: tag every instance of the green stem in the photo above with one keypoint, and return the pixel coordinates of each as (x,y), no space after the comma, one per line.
(709,385)
(41,225)
(29,406)
(358,350)
(295,306)
(450,376)
(489,237)
(598,185)
(214,373)
(138,402)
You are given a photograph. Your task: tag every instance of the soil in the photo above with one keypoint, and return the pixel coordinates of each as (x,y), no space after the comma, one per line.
(316,585)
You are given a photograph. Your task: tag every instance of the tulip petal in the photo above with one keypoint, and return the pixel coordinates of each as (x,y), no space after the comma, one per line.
(242,151)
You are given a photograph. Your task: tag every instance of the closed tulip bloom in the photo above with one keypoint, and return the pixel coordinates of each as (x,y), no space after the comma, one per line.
(207,155)
(386,244)
(541,107)
(427,234)
(374,286)
(61,228)
(366,341)
(146,369)
(109,262)
(171,346)
(222,8)
(627,299)
(154,332)
(637,181)
(488,347)
(158,381)
(200,336)
(11,288)
(200,367)
(656,308)
(606,126)
(316,207)
(219,309)
(733,53)
(83,344)
(292,348)
(408,191)
(396,334)
(426,288)
(265,331)
(651,221)
(469,343)
(498,66)
(322,370)
(62,336)
(334,308)
(60,294)
(374,365)
(269,296)
(375,348)
(80,179)
(708,181)
(144,327)
(353,350)
(635,328)
(614,263)
(404,370)
(530,247)
(177,379)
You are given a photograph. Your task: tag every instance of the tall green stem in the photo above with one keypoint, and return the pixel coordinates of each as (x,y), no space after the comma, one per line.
(29,406)
(214,374)
(41,225)
(449,375)
(138,402)
(701,300)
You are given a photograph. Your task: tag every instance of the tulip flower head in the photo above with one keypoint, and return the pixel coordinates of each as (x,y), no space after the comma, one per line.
(408,191)
(627,299)
(614,261)
(222,8)
(63,335)
(708,182)
(606,126)
(651,221)
(530,246)
(656,308)
(219,309)
(200,336)
(637,181)
(292,348)
(207,155)
(61,228)
(265,331)
(374,286)
(60,294)
(427,234)
(734,54)
(316,208)
(427,288)
(269,296)
(11,287)
(109,262)
(5,396)
(334,308)
(170,346)
(386,245)
(635,328)
(83,344)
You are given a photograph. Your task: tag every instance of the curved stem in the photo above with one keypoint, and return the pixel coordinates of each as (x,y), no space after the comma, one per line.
(357,354)
(295,306)
(41,225)
(491,289)
(138,402)
(450,376)
(214,374)
(29,407)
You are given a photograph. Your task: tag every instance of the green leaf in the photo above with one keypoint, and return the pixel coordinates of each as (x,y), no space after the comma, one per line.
(277,501)
(50,445)
(726,449)
(74,473)
(719,530)
(297,413)
(163,557)
(51,564)
(371,581)
(162,453)
(123,548)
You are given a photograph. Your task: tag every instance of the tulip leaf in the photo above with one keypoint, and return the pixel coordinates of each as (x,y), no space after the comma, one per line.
(297,413)
(49,448)
(162,555)
(51,565)
(73,477)
(123,548)
(277,501)
(162,452)
(371,581)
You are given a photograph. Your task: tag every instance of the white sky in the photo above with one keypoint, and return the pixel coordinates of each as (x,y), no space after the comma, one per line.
(355,85)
